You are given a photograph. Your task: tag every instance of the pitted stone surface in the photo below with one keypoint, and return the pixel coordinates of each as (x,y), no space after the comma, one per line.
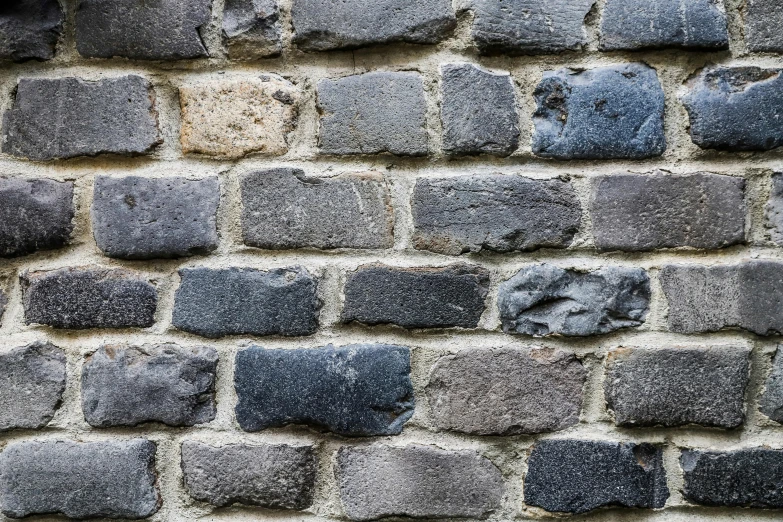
(251,29)
(763,19)
(771,402)
(773,210)
(30,29)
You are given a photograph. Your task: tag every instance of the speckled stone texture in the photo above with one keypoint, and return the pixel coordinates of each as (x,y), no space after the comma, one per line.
(773,210)
(3,303)
(30,29)
(771,402)
(763,19)
(251,29)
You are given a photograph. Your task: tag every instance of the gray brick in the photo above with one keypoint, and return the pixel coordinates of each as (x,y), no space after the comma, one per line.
(30,29)
(80,298)
(416,481)
(771,402)
(3,304)
(126,386)
(373,113)
(547,300)
(498,213)
(506,391)
(735,108)
(145,218)
(763,20)
(35,214)
(577,476)
(242,301)
(161,30)
(272,476)
(70,117)
(79,480)
(678,386)
(611,112)
(361,390)
(348,24)
(639,212)
(424,297)
(32,382)
(773,211)
(251,29)
(282,209)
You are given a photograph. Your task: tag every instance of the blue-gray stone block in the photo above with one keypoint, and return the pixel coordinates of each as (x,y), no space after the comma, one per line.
(29,29)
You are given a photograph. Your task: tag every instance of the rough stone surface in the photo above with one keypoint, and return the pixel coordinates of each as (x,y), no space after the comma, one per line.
(242,301)
(145,218)
(506,391)
(773,211)
(80,298)
(771,403)
(577,476)
(159,30)
(347,24)
(611,112)
(29,29)
(656,24)
(478,111)
(272,476)
(3,304)
(735,109)
(251,29)
(126,386)
(423,297)
(763,19)
(32,382)
(361,390)
(499,213)
(282,209)
(545,300)
(416,481)
(638,212)
(373,113)
(232,118)
(79,480)
(35,214)
(69,117)
(678,386)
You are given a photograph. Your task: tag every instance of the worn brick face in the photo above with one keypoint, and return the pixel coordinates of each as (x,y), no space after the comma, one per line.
(773,210)
(771,401)
(251,29)
(30,29)
(763,19)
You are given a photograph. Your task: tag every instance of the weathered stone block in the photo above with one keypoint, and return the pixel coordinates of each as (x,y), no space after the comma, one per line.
(3,304)
(251,29)
(763,19)
(771,402)
(773,210)
(29,29)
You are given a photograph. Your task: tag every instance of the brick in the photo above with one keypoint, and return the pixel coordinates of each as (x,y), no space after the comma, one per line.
(529,26)
(35,214)
(361,390)
(160,30)
(242,301)
(657,24)
(611,112)
(416,481)
(480,391)
(678,386)
(3,303)
(145,218)
(547,300)
(272,476)
(126,386)
(233,118)
(30,29)
(771,402)
(773,210)
(32,382)
(282,208)
(478,111)
(763,19)
(640,212)
(348,24)
(424,297)
(373,113)
(577,476)
(79,480)
(499,213)
(69,117)
(735,108)
(251,29)
(744,478)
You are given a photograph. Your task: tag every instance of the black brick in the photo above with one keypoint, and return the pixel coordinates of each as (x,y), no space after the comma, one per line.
(30,29)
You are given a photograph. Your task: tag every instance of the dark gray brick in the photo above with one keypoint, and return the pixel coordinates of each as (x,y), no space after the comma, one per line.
(545,300)
(251,29)
(416,481)
(29,29)
(272,476)
(243,301)
(577,476)
(80,298)
(79,480)
(638,212)
(145,218)
(70,117)
(763,20)
(773,211)
(478,391)
(424,297)
(771,403)
(678,386)
(499,213)
(347,24)
(35,214)
(32,382)
(373,113)
(126,386)
(3,304)
(282,208)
